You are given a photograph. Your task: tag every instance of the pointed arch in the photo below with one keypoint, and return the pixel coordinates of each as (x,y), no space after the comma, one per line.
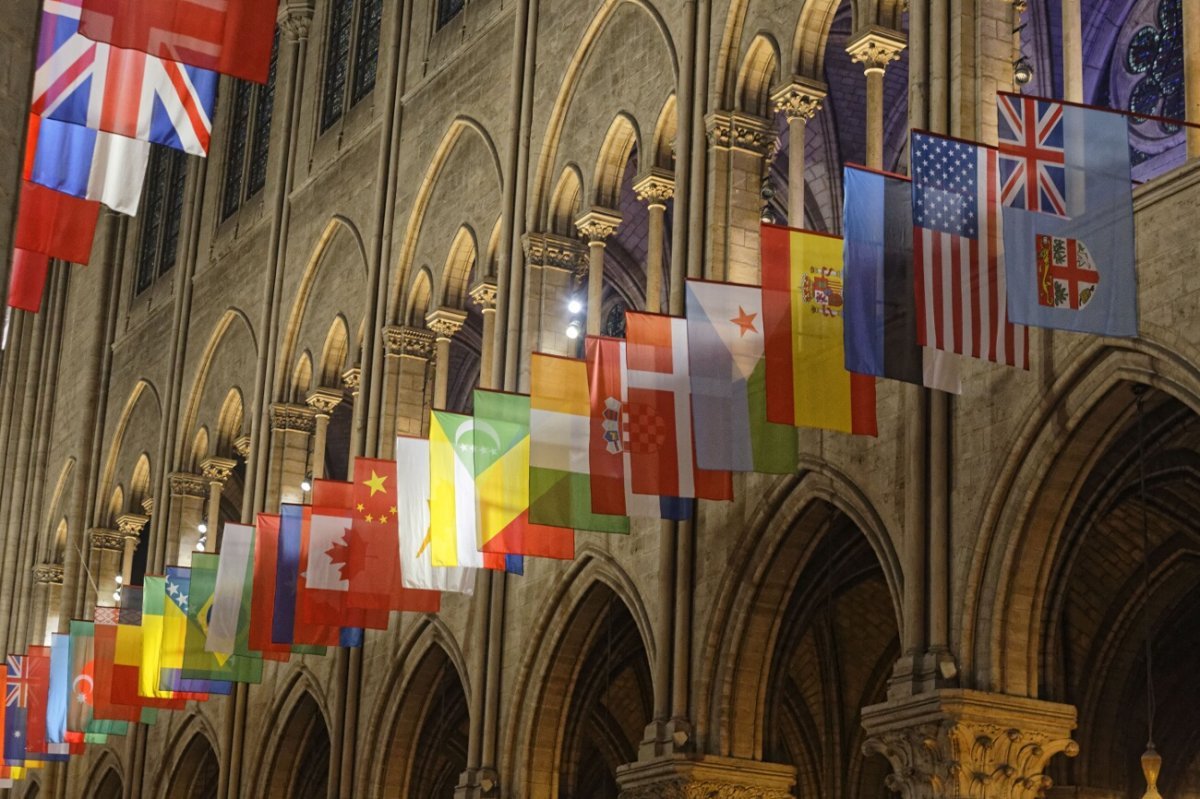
(299,708)
(665,131)
(143,399)
(620,142)
(56,521)
(418,299)
(565,203)
(334,353)
(139,483)
(116,506)
(302,378)
(222,330)
(192,758)
(229,422)
(758,73)
(492,260)
(456,274)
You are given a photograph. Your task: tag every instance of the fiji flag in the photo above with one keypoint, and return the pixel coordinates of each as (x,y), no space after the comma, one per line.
(1068,216)
(119,91)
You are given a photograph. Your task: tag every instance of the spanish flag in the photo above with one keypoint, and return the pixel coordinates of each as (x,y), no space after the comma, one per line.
(803,300)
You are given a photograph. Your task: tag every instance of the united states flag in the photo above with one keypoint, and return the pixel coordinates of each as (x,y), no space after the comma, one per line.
(1033,172)
(125,92)
(957,248)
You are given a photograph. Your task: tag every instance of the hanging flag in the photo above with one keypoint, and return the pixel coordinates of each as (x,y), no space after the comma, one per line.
(16,708)
(119,91)
(727,364)
(608,456)
(231,36)
(881,309)
(27,280)
(803,300)
(86,163)
(55,224)
(37,660)
(560,491)
(174,638)
(416,533)
(198,662)
(229,619)
(1068,216)
(104,646)
(127,668)
(81,726)
(287,581)
(452,493)
(58,695)
(960,283)
(262,604)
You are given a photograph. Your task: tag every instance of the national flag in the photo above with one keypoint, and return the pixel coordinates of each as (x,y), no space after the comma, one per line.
(58,695)
(1071,264)
(37,661)
(416,533)
(55,224)
(105,704)
(127,668)
(88,164)
(232,37)
(287,581)
(229,618)
(198,661)
(27,280)
(727,366)
(174,638)
(1033,171)
(560,491)
(501,456)
(803,299)
(960,283)
(119,91)
(881,308)
(452,507)
(18,687)
(262,604)
(81,726)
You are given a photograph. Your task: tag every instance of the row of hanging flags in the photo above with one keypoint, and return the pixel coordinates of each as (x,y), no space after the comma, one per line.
(112,77)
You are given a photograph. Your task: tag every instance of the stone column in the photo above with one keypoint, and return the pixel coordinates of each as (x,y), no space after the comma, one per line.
(875,48)
(596,226)
(557,267)
(655,189)
(444,322)
(188,493)
(322,401)
(1191,73)
(1072,50)
(952,743)
(483,294)
(409,352)
(684,777)
(49,579)
(799,101)
(107,547)
(130,526)
(241,445)
(352,380)
(216,472)
(738,144)
(291,428)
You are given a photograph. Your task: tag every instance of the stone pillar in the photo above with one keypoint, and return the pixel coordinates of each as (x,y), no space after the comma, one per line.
(107,548)
(875,48)
(799,101)
(130,526)
(188,493)
(291,428)
(409,352)
(322,401)
(680,777)
(216,472)
(596,226)
(352,380)
(952,743)
(738,144)
(1191,73)
(655,189)
(557,267)
(241,445)
(444,322)
(483,294)
(1072,50)
(49,579)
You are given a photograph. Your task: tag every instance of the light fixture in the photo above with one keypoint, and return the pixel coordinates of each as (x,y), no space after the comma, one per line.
(306,483)
(120,579)
(768,216)
(117,595)
(573,329)
(200,545)
(202,527)
(1022,71)
(575,305)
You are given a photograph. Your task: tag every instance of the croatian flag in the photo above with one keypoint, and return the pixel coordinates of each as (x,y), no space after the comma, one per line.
(125,92)
(87,163)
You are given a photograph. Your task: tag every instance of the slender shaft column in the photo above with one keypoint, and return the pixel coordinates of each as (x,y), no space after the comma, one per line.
(1072,50)
(596,226)
(49,579)
(188,493)
(738,144)
(799,101)
(130,526)
(322,401)
(1191,72)
(216,472)
(655,189)
(291,428)
(444,322)
(483,294)
(557,265)
(409,351)
(105,556)
(875,48)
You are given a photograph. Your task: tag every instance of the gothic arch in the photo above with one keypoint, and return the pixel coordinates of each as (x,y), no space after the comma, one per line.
(298,713)
(665,130)
(460,263)
(56,521)
(106,775)
(139,483)
(199,450)
(565,202)
(758,73)
(193,761)
(418,298)
(302,379)
(620,142)
(334,353)
(230,421)
(144,404)
(222,339)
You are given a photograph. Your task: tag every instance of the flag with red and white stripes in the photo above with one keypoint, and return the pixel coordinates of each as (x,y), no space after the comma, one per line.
(958,252)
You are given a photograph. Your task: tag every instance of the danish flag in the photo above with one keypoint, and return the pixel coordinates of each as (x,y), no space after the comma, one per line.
(119,91)
(1033,173)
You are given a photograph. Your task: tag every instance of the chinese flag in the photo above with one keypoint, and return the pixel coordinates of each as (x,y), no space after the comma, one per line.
(56,224)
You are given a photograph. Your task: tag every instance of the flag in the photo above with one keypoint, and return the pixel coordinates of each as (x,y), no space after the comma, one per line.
(1068,216)
(302,635)
(960,283)
(104,703)
(81,726)
(55,224)
(501,456)
(119,91)
(175,635)
(126,670)
(231,36)
(803,300)
(27,280)
(452,493)
(415,533)
(560,491)
(262,602)
(58,694)
(727,365)
(88,164)
(18,687)
(37,660)
(229,619)
(198,661)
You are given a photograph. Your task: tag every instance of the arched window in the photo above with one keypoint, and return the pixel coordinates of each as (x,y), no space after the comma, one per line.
(448,10)
(162,210)
(1146,75)
(353,29)
(249,139)
(366,48)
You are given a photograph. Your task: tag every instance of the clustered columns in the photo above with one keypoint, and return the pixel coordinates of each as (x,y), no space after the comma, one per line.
(130,526)
(444,322)
(107,547)
(738,143)
(48,597)
(483,294)
(188,494)
(322,401)
(799,101)
(655,189)
(291,427)
(875,48)
(409,351)
(596,226)
(556,266)
(216,473)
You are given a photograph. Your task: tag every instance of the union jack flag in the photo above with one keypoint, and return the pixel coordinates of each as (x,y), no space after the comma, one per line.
(1033,174)
(16,693)
(125,92)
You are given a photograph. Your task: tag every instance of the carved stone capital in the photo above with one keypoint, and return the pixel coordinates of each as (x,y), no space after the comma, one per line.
(445,322)
(106,539)
(295,19)
(955,744)
(551,251)
(800,99)
(709,777)
(598,224)
(241,445)
(286,416)
(186,484)
(655,187)
(148,506)
(48,573)
(323,400)
(352,378)
(217,470)
(735,130)
(875,47)
(483,294)
(410,342)
(131,525)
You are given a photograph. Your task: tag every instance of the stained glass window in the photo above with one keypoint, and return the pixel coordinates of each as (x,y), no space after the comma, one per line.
(239,128)
(366,48)
(161,215)
(448,10)
(260,143)
(337,62)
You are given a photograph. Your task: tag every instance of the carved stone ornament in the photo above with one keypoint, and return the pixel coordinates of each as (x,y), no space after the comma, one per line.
(352,378)
(737,131)
(300,418)
(51,573)
(110,540)
(598,224)
(445,322)
(800,99)
(875,47)
(412,342)
(655,187)
(148,506)
(323,400)
(241,445)
(957,744)
(217,470)
(484,293)
(186,484)
(295,19)
(709,777)
(131,525)
(552,251)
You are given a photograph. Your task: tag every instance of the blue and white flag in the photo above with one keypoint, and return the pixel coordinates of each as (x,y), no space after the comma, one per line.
(89,164)
(58,696)
(1068,216)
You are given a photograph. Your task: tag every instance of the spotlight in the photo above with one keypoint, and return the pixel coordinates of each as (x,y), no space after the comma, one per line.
(1022,71)
(768,216)
(767,191)
(117,595)
(200,545)
(306,484)
(202,527)
(574,305)
(573,329)
(120,579)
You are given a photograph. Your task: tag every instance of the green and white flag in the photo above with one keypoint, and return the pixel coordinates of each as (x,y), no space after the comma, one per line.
(230,614)
(236,665)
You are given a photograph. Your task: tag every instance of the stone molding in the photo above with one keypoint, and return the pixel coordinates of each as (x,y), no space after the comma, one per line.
(216,469)
(955,744)
(131,525)
(875,47)
(352,379)
(412,342)
(483,294)
(323,400)
(655,187)
(705,777)
(186,484)
(241,445)
(295,19)
(445,322)
(800,99)
(286,416)
(598,224)
(106,539)
(549,250)
(735,130)
(48,573)
(148,506)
